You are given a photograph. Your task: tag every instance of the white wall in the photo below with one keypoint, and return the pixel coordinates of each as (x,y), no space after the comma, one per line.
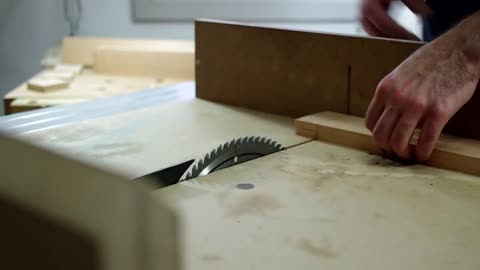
(27,29)
(113,18)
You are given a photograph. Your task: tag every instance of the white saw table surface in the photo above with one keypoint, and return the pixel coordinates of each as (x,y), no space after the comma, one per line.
(320,206)
(145,140)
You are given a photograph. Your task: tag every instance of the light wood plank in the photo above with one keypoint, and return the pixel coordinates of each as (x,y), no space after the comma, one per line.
(451,152)
(156,62)
(81,50)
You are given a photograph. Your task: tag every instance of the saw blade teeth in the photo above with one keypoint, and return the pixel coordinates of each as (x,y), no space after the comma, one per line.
(278,146)
(238,141)
(227,151)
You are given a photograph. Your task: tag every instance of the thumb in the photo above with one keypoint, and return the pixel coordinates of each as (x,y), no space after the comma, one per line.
(419,7)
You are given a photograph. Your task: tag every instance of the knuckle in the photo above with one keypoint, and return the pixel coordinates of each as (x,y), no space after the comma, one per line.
(416,105)
(383,89)
(429,136)
(398,98)
(438,111)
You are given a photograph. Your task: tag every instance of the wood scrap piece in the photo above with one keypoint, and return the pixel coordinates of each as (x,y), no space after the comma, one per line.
(46,85)
(153,61)
(65,68)
(453,153)
(60,75)
(81,50)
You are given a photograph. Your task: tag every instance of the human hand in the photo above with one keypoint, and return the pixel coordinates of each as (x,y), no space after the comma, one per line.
(377,22)
(425,91)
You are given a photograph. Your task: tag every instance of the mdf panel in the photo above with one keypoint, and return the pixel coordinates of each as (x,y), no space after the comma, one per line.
(278,71)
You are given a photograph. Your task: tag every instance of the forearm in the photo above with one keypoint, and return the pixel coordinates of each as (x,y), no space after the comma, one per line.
(466,38)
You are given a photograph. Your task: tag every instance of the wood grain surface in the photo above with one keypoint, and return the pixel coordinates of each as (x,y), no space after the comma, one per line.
(453,153)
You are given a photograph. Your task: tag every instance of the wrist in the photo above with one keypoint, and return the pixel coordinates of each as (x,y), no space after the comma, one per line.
(468,42)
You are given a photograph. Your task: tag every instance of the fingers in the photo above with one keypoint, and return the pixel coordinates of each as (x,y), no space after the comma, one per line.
(377,22)
(419,7)
(391,28)
(375,110)
(377,106)
(394,128)
(370,28)
(384,128)
(431,129)
(402,134)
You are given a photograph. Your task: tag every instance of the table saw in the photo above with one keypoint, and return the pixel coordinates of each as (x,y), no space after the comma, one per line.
(252,188)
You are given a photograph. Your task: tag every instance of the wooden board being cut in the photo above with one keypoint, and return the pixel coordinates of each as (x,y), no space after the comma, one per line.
(140,142)
(451,152)
(322,206)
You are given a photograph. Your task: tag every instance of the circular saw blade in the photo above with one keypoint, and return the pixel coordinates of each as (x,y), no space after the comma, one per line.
(232,153)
